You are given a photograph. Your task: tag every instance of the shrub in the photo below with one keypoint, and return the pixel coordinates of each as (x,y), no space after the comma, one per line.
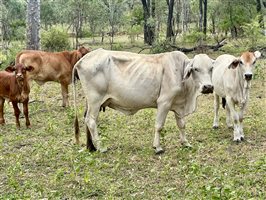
(55,39)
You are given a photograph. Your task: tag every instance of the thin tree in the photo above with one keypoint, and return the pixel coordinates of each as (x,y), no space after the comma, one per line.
(205,4)
(149,13)
(33,24)
(170,32)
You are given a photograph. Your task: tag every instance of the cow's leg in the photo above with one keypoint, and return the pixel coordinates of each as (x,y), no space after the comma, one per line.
(2,102)
(181,125)
(241,117)
(91,122)
(90,145)
(235,117)
(26,112)
(216,109)
(162,112)
(16,112)
(64,90)
(228,117)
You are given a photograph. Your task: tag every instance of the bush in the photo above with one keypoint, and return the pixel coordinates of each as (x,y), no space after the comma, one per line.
(161,46)
(55,39)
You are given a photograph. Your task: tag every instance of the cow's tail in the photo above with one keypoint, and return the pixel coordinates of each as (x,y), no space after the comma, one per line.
(76,122)
(223,102)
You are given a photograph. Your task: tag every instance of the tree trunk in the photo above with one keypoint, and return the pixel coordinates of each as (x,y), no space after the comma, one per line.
(184,15)
(205,17)
(169,32)
(1,26)
(148,28)
(33,24)
(200,15)
(259,11)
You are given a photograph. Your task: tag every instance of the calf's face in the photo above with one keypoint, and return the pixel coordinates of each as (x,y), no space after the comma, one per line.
(19,71)
(246,64)
(200,68)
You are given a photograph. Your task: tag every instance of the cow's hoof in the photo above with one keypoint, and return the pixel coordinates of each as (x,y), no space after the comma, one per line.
(215,126)
(237,140)
(102,150)
(159,150)
(186,145)
(242,138)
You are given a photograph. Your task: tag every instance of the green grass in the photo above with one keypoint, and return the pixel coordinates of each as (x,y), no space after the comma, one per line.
(43,163)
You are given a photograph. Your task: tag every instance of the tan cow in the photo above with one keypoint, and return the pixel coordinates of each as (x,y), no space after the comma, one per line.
(231,79)
(129,82)
(52,66)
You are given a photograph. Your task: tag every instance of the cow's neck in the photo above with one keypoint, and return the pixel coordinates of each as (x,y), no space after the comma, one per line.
(191,92)
(72,57)
(243,86)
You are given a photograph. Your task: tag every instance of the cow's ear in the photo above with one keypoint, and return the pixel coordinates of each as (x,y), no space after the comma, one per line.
(188,70)
(234,64)
(257,54)
(29,68)
(10,68)
(83,50)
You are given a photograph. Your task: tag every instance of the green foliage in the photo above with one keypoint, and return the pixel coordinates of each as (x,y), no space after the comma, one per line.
(161,46)
(55,39)
(133,32)
(117,47)
(193,37)
(253,32)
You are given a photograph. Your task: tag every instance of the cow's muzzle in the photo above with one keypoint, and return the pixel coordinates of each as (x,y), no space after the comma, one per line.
(248,77)
(206,89)
(19,77)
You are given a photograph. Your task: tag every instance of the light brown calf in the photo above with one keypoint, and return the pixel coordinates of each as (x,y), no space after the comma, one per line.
(52,66)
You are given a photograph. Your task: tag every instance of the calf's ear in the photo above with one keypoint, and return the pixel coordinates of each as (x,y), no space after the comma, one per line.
(29,68)
(234,64)
(257,54)
(10,68)
(188,69)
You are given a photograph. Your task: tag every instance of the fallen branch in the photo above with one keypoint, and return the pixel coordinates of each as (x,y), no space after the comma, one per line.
(200,47)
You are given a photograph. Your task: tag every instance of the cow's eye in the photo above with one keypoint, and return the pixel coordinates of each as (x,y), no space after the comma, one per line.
(241,63)
(196,69)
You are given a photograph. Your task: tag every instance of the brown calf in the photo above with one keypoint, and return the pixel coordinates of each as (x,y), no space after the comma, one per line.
(52,66)
(15,87)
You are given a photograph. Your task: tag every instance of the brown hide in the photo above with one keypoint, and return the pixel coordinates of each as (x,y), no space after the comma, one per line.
(52,66)
(15,87)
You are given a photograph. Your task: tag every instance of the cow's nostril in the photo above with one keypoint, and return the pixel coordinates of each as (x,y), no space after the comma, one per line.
(207,89)
(248,76)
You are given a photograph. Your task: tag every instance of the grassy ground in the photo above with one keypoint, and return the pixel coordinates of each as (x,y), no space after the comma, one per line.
(43,163)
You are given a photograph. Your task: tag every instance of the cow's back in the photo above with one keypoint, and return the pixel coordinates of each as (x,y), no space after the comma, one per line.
(47,66)
(223,76)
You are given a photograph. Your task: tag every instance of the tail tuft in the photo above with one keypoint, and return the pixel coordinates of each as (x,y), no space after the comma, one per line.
(223,102)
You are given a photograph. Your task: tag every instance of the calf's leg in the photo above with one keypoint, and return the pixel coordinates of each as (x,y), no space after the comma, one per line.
(26,112)
(228,117)
(16,112)
(2,102)
(216,109)
(235,117)
(64,91)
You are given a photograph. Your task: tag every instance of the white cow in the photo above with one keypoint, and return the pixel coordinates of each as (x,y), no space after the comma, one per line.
(129,82)
(231,79)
